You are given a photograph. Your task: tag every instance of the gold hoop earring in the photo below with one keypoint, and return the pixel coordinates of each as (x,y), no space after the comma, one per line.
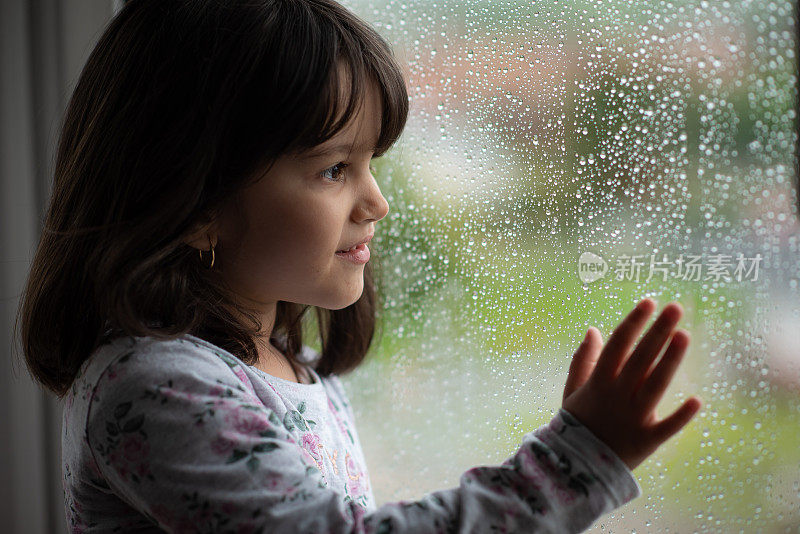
(212,253)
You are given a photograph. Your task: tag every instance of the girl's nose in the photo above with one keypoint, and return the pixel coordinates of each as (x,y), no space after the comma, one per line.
(374,205)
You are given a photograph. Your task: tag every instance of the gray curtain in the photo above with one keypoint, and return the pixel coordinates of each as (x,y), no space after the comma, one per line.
(43,46)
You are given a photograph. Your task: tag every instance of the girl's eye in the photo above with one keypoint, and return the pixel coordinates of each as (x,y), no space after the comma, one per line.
(336,172)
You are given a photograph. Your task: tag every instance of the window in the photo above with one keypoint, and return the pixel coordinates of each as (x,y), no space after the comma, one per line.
(651,144)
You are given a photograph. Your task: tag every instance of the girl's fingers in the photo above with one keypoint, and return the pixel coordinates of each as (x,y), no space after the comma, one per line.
(649,347)
(649,393)
(664,429)
(622,338)
(583,361)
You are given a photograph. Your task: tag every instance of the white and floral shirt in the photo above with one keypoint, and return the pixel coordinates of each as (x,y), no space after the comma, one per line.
(182,436)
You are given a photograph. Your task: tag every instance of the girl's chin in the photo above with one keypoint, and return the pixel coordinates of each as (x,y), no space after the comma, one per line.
(341,300)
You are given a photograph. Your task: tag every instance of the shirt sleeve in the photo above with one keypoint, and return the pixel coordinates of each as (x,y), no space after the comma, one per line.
(180,439)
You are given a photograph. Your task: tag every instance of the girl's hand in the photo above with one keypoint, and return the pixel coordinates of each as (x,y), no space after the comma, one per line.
(618,406)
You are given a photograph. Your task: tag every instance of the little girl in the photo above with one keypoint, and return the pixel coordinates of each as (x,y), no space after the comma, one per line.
(212,184)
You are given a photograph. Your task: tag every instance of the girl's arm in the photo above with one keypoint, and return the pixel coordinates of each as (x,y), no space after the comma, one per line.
(178,437)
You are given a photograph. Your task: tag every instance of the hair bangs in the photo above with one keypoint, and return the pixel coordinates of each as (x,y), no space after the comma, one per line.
(354,56)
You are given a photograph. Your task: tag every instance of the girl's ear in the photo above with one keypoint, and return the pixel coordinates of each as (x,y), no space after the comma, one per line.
(198,237)
(200,241)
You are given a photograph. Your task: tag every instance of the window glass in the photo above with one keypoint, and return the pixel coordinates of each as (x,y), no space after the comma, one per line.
(561,161)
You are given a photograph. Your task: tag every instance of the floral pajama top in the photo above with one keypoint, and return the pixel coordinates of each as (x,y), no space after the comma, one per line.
(182,436)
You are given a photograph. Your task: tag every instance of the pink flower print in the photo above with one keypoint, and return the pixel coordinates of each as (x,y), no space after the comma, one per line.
(222,445)
(216,391)
(239,372)
(565,496)
(247,421)
(355,477)
(134,448)
(310,442)
(130,456)
(78,529)
(533,471)
(553,483)
(274,483)
(117,462)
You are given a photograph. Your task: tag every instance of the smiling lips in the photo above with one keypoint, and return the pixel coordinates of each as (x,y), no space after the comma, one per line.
(358,255)
(354,245)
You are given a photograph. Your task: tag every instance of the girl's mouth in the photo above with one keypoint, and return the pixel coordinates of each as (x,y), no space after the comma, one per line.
(358,254)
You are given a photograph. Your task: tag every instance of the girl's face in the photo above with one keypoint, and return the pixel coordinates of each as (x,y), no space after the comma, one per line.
(299,214)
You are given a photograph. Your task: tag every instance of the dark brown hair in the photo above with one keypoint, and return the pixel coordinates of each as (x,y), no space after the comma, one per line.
(179,106)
